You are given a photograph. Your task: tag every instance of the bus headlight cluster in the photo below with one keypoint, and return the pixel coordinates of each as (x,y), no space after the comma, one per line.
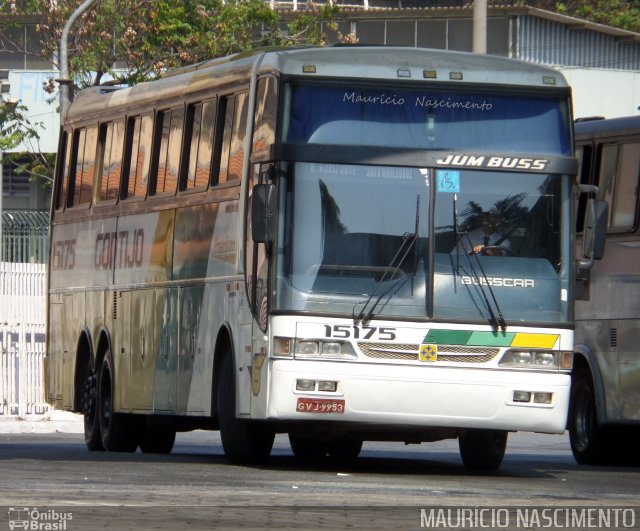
(312,349)
(537,359)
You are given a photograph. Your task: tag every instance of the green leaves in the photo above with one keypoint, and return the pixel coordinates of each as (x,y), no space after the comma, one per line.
(17,131)
(624,14)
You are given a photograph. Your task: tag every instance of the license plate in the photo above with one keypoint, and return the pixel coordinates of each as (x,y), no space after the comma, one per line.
(320,405)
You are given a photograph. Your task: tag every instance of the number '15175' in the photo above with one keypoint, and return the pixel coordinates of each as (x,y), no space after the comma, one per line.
(360,332)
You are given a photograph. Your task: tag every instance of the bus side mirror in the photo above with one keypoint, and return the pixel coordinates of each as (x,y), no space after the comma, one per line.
(594,231)
(262,213)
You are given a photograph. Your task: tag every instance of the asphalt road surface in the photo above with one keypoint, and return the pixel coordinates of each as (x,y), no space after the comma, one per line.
(50,481)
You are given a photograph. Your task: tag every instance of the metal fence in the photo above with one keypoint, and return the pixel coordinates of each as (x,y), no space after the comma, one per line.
(22,339)
(25,236)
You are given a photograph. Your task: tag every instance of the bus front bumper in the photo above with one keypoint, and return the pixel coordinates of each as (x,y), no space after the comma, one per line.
(420,396)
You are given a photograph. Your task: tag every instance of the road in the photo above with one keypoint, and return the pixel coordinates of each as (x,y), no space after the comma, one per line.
(52,479)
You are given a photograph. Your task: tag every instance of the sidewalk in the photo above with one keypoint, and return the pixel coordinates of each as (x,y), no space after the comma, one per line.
(56,421)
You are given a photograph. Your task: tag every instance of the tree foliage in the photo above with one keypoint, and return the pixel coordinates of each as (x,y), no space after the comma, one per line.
(129,41)
(135,40)
(623,14)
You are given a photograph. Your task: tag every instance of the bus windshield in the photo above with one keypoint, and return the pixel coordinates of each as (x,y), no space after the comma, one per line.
(426,119)
(360,239)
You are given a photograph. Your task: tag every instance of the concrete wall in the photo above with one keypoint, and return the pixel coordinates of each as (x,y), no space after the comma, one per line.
(600,92)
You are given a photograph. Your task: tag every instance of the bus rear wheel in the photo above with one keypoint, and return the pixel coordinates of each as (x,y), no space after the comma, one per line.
(588,439)
(157,439)
(90,410)
(118,431)
(483,449)
(245,442)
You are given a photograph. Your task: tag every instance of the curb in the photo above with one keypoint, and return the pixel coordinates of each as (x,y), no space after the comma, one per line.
(54,421)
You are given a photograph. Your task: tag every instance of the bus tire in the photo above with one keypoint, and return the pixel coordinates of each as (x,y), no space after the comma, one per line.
(157,440)
(245,442)
(92,436)
(630,438)
(118,431)
(483,449)
(345,449)
(308,450)
(588,440)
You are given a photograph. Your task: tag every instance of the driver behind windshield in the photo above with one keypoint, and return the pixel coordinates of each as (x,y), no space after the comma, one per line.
(484,239)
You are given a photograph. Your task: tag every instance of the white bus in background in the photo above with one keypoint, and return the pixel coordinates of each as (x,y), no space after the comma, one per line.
(275,243)
(605,413)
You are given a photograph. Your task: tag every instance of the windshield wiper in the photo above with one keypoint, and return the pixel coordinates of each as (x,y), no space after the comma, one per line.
(408,242)
(496,322)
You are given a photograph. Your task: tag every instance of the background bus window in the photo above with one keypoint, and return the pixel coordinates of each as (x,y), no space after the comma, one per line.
(619,169)
(111,139)
(81,182)
(201,119)
(625,200)
(169,128)
(584,155)
(233,138)
(139,150)
(266,109)
(63,171)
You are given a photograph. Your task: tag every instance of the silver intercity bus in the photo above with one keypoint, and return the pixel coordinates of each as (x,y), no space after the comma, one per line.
(605,412)
(341,244)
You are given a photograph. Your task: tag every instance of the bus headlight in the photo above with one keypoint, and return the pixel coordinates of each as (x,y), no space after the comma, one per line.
(318,349)
(537,359)
(307,348)
(544,359)
(312,349)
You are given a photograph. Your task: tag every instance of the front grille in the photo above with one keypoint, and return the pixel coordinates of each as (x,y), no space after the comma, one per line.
(450,353)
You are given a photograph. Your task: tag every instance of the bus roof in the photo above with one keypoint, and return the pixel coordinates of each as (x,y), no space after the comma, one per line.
(601,128)
(349,62)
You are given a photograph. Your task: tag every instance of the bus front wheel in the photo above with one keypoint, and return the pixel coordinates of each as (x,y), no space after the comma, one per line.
(483,449)
(245,442)
(118,431)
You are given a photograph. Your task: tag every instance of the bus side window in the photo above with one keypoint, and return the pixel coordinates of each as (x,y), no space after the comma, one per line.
(233,137)
(223,137)
(111,140)
(200,124)
(81,180)
(622,192)
(167,155)
(138,158)
(238,138)
(62,175)
(266,112)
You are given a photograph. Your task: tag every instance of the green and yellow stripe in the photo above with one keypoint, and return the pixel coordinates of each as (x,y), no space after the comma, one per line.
(490,339)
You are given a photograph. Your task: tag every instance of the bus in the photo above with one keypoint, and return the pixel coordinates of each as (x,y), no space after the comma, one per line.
(274,243)
(604,424)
